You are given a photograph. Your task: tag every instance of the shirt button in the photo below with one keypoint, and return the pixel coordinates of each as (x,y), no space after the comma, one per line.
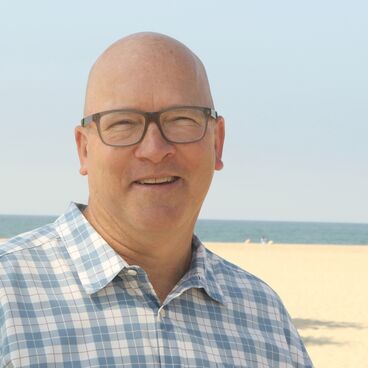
(162,313)
(132,272)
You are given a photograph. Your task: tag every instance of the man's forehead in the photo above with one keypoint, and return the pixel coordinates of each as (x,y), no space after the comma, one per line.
(142,63)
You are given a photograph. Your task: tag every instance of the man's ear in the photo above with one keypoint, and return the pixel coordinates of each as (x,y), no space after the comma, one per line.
(219,142)
(82,143)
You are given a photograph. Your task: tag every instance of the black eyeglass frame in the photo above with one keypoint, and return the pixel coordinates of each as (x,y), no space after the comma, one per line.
(149,117)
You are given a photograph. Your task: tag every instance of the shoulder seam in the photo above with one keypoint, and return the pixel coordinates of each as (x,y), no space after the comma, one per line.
(238,270)
(19,248)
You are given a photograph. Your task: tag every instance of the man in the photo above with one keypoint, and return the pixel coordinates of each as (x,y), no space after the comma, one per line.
(123,281)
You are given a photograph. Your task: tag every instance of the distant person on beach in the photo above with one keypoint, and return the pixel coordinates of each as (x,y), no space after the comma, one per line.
(123,282)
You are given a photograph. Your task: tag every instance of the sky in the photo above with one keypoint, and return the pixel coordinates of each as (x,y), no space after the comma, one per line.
(290,78)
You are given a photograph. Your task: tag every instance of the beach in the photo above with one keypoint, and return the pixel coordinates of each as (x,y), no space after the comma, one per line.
(324,288)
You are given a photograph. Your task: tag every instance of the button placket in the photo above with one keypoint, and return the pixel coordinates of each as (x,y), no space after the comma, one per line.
(161,313)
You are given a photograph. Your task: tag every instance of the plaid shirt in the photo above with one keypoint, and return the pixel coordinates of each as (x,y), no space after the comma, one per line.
(67,299)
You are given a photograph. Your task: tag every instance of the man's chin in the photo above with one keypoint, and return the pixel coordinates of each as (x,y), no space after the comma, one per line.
(159,219)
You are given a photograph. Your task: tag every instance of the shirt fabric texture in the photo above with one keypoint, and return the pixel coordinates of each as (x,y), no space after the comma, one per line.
(67,299)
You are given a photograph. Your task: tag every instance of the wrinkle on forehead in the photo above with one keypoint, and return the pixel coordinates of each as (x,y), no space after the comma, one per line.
(145,62)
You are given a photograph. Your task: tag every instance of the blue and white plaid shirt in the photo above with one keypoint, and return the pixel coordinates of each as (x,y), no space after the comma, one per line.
(67,299)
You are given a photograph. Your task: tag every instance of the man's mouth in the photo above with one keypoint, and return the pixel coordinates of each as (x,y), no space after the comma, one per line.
(157,181)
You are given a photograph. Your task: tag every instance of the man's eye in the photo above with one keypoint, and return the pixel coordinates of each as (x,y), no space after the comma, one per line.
(183,120)
(124,124)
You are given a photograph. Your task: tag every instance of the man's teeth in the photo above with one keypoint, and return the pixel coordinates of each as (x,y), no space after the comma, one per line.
(168,179)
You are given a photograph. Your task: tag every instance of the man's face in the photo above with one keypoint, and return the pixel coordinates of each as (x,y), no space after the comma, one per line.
(117,174)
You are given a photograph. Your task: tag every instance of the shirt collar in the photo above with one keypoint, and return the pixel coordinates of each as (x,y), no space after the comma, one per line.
(95,261)
(98,264)
(201,273)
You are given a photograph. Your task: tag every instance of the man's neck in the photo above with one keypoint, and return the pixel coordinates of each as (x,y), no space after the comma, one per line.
(164,257)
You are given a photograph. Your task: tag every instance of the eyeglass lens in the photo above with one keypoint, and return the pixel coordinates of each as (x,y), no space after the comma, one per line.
(181,125)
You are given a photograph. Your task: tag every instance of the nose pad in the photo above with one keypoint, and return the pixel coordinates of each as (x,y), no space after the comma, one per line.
(154,146)
(153,128)
(153,118)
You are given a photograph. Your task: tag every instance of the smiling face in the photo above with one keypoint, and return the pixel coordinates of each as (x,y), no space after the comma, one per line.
(153,185)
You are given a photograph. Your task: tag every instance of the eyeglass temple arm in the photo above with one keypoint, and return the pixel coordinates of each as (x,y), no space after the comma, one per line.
(88,119)
(213,113)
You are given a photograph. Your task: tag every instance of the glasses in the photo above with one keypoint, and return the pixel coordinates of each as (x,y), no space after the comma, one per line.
(119,128)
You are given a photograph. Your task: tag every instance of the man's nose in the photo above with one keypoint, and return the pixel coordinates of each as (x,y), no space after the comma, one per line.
(154,146)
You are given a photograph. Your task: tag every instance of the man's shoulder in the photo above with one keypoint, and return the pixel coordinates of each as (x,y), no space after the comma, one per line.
(25,258)
(19,244)
(230,270)
(239,284)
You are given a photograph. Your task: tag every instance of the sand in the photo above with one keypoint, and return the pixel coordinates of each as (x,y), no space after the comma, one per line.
(325,290)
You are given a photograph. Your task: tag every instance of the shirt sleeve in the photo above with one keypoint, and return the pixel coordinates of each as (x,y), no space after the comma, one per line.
(298,352)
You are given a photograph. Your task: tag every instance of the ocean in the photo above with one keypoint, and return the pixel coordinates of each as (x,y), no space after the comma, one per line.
(233,230)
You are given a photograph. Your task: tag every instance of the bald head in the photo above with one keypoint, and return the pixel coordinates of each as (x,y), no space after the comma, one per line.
(147,71)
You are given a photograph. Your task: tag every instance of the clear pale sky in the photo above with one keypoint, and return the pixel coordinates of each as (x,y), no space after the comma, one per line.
(290,78)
